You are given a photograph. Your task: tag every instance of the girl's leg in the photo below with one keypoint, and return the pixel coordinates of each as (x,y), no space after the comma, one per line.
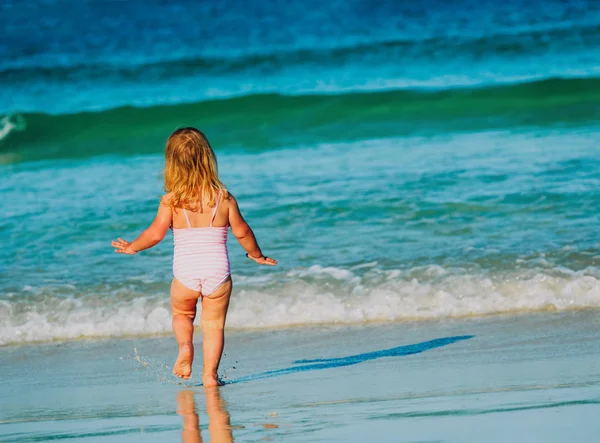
(183,307)
(212,321)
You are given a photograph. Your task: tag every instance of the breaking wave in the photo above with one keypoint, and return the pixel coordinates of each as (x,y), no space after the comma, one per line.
(300,297)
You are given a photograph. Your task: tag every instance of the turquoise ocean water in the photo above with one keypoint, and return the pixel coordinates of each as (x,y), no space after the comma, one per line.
(402,161)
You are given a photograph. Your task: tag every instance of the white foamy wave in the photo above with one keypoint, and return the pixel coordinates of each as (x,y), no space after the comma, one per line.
(304,297)
(395,297)
(10,123)
(72,318)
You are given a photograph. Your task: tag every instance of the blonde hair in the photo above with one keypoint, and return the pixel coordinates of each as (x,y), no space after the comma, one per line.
(191,172)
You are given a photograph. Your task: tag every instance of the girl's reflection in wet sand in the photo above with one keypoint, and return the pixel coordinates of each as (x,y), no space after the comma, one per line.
(219,426)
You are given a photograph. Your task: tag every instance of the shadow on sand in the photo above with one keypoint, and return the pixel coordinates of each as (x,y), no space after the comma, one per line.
(327,363)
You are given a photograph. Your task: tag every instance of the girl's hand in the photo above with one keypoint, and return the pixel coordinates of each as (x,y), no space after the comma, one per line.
(262,260)
(123,247)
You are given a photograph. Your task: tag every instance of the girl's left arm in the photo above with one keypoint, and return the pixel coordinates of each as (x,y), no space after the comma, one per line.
(151,236)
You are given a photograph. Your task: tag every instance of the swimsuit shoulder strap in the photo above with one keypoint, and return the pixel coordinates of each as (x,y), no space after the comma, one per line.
(212,219)
(187,218)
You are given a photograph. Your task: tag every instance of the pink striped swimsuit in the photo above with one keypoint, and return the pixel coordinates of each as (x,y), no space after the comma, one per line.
(200,259)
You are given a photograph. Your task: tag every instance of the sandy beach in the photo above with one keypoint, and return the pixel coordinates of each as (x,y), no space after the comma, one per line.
(524,378)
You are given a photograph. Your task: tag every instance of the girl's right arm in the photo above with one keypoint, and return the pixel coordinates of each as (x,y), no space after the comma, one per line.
(245,236)
(152,235)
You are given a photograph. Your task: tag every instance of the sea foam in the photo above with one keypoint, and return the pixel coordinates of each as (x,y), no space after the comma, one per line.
(301,297)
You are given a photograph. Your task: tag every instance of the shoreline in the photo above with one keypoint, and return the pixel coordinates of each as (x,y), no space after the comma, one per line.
(508,315)
(360,379)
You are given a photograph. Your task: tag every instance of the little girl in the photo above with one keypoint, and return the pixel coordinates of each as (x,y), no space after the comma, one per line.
(198,209)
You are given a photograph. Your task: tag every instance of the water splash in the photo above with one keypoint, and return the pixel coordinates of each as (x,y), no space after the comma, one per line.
(10,123)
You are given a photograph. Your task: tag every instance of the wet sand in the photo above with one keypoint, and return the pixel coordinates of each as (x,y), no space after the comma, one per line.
(526,378)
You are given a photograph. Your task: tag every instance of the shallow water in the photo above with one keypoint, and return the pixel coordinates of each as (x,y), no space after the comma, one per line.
(418,228)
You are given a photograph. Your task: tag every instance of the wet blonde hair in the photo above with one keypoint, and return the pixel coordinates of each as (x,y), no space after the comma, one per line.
(191,172)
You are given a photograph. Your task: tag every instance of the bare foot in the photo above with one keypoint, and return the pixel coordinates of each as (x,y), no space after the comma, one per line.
(183,365)
(209,381)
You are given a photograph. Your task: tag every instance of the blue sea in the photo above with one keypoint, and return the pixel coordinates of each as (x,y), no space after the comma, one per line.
(411,165)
